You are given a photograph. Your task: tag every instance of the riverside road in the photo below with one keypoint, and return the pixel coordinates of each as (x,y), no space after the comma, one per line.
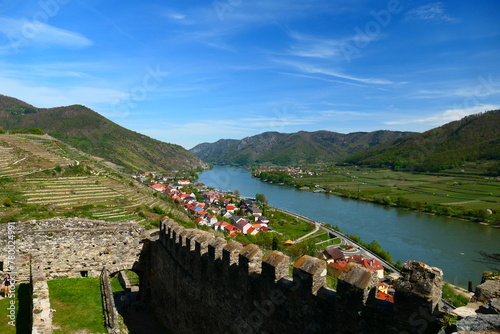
(344,240)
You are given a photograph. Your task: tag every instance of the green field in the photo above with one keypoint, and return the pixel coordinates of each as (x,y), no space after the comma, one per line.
(465,192)
(289,227)
(78,305)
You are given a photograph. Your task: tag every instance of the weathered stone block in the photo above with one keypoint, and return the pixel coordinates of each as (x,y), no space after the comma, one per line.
(230,253)
(488,290)
(275,266)
(309,274)
(250,259)
(215,247)
(356,285)
(417,295)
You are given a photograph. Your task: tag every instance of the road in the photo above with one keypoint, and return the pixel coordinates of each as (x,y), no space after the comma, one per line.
(345,240)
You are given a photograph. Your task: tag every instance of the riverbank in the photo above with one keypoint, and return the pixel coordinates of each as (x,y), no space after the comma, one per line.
(467,197)
(448,244)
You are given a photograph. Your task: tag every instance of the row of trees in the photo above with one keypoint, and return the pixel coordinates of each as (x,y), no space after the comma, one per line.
(33,131)
(277,177)
(404,202)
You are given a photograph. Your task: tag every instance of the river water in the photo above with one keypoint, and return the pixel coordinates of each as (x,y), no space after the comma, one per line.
(446,243)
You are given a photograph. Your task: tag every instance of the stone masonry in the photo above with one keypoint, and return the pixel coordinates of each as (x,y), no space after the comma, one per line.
(72,247)
(202,284)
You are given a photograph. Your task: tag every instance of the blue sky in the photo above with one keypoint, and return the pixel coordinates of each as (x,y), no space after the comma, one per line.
(188,72)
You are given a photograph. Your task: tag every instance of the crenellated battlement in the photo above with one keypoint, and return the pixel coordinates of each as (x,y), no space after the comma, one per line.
(229,288)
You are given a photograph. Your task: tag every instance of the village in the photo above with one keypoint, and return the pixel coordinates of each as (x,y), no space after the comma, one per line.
(228,213)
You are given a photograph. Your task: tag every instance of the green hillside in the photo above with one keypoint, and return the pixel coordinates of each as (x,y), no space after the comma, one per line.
(42,177)
(475,138)
(92,133)
(291,148)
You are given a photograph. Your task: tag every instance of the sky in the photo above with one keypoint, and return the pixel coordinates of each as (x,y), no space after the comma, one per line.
(192,71)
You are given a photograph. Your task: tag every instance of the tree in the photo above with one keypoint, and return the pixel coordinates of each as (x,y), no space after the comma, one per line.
(261,198)
(236,193)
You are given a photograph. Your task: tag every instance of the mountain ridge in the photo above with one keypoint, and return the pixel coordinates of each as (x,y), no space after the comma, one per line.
(94,134)
(472,138)
(291,148)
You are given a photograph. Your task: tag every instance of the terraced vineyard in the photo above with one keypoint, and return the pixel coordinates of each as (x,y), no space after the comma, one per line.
(41,177)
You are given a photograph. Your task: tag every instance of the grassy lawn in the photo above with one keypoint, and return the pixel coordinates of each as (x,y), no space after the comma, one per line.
(133,278)
(319,236)
(22,322)
(78,305)
(290,227)
(331,242)
(116,285)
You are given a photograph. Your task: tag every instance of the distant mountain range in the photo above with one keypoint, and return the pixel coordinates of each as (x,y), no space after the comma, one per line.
(474,138)
(471,139)
(94,134)
(292,148)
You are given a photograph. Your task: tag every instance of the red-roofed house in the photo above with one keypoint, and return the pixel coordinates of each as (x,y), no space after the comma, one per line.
(242,224)
(335,268)
(200,221)
(385,296)
(159,187)
(253,231)
(373,264)
(220,225)
(212,219)
(231,229)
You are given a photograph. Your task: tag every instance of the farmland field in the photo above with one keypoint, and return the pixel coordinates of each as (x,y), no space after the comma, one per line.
(465,192)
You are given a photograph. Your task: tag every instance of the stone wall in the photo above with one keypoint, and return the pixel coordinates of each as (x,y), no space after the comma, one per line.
(73,247)
(199,283)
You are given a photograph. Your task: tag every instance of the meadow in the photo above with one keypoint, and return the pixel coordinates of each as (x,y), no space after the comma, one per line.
(76,296)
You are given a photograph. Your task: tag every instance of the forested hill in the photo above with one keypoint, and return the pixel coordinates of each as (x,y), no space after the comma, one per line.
(471,139)
(291,148)
(94,134)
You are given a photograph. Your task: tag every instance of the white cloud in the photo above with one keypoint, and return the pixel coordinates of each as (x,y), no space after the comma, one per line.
(314,47)
(330,73)
(48,97)
(319,47)
(431,12)
(446,116)
(22,33)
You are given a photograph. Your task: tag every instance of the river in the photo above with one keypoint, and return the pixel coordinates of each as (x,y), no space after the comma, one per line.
(446,243)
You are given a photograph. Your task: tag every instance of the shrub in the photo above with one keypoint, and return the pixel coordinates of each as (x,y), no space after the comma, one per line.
(7,202)
(158,210)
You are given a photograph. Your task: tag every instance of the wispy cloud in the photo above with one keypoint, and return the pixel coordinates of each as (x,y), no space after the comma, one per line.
(312,69)
(321,78)
(432,12)
(446,116)
(314,47)
(24,33)
(54,96)
(325,48)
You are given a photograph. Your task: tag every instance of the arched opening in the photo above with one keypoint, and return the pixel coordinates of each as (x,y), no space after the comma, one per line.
(131,299)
